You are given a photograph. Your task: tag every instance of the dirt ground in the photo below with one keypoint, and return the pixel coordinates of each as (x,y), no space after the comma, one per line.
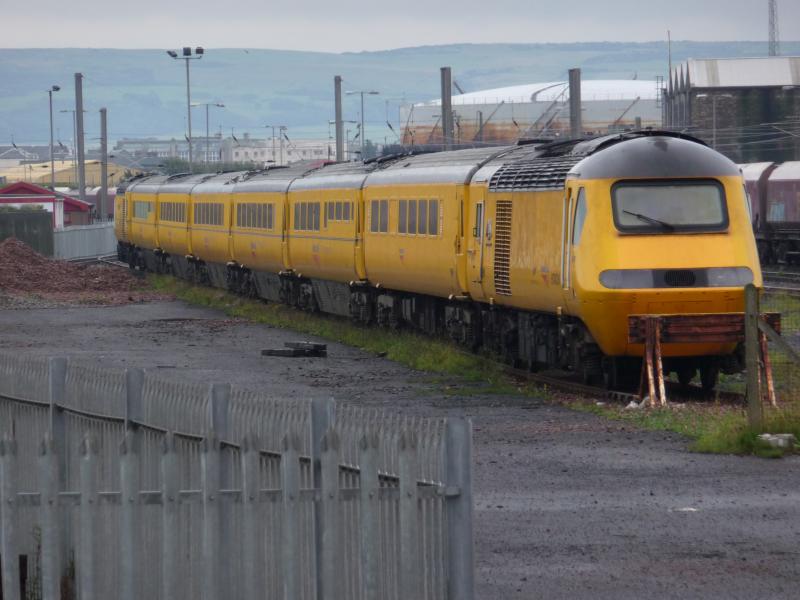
(567,504)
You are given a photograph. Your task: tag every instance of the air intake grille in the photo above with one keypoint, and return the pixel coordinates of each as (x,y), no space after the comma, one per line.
(680,278)
(502,248)
(534,174)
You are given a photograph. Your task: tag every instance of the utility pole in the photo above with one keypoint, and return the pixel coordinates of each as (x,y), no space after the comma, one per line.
(575,116)
(102,209)
(79,127)
(447,108)
(362,133)
(337,92)
(774,43)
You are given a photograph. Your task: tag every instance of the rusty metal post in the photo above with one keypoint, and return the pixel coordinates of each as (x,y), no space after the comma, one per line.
(752,349)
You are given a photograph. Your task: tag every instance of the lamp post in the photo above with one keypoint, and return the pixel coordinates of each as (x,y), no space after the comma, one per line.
(347,144)
(187,54)
(52,89)
(361,93)
(207,104)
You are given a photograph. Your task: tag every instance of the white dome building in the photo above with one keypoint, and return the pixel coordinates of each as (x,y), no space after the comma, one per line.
(535,110)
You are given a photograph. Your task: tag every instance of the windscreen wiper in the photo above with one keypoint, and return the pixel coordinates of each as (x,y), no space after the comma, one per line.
(664,224)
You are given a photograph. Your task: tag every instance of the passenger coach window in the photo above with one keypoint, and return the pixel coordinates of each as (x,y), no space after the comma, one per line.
(379,216)
(207,213)
(141,210)
(307,216)
(669,206)
(260,216)
(418,217)
(580,217)
(433,217)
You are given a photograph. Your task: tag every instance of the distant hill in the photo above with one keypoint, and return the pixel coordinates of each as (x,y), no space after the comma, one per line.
(144,90)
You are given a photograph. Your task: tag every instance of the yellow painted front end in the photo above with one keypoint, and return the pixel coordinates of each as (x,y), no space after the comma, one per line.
(325,248)
(430,263)
(172,234)
(210,242)
(605,311)
(257,247)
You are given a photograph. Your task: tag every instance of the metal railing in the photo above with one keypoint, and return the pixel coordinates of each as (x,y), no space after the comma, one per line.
(119,484)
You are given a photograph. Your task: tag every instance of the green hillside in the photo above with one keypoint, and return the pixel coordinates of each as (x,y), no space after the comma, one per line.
(144,90)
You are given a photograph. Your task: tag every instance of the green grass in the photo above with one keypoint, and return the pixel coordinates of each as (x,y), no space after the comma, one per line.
(416,351)
(712,428)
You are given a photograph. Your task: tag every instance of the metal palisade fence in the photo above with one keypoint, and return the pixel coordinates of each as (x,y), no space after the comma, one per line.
(120,484)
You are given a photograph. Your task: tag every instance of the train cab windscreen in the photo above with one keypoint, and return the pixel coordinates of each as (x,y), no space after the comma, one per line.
(669,206)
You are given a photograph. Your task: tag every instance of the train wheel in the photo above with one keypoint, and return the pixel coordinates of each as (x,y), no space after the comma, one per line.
(709,374)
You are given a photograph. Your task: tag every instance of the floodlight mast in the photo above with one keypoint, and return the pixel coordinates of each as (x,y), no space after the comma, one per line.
(187,55)
(52,89)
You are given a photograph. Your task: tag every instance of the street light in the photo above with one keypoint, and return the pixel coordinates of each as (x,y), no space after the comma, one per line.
(348,139)
(52,89)
(361,93)
(187,55)
(207,104)
(281,132)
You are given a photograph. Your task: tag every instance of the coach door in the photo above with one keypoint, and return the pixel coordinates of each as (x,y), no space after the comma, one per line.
(476,247)
(574,215)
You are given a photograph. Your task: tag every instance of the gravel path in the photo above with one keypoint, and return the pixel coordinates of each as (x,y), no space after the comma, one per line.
(568,505)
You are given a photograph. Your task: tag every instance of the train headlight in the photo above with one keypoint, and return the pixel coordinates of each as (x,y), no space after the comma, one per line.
(631,279)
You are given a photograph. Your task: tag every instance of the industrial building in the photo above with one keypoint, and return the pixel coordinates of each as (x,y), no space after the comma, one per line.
(747,108)
(233,149)
(504,115)
(66,175)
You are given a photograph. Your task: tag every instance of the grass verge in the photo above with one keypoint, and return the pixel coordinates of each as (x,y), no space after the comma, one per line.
(407,348)
(713,428)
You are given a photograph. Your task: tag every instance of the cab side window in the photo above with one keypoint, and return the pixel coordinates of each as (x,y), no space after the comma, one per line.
(580,217)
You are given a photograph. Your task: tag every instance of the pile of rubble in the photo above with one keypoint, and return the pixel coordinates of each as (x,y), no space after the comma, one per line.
(23,271)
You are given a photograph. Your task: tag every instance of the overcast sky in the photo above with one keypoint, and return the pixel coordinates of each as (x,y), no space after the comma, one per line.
(353,25)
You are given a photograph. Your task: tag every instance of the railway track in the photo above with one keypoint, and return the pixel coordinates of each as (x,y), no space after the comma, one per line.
(782,281)
(108,259)
(675,392)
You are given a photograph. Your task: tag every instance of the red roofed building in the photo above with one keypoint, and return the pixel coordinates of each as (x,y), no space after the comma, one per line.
(65,209)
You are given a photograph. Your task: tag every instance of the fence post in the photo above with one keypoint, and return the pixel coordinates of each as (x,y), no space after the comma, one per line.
(8,514)
(332,551)
(290,484)
(369,485)
(211,518)
(751,343)
(56,392)
(219,425)
(130,523)
(250,504)
(323,412)
(87,519)
(458,474)
(48,488)
(134,409)
(410,572)
(169,507)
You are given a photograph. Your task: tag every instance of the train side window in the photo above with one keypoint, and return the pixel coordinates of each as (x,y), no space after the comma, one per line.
(422,220)
(412,216)
(476,231)
(338,211)
(384,216)
(433,217)
(346,210)
(331,208)
(297,216)
(316,216)
(374,216)
(402,216)
(270,216)
(580,217)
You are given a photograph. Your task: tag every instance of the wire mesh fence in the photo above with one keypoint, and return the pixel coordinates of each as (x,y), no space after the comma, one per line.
(785,367)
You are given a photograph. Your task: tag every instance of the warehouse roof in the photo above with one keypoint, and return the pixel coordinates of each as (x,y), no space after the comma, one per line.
(763,71)
(591,89)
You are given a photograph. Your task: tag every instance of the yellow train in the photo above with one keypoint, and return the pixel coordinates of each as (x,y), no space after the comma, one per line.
(538,252)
